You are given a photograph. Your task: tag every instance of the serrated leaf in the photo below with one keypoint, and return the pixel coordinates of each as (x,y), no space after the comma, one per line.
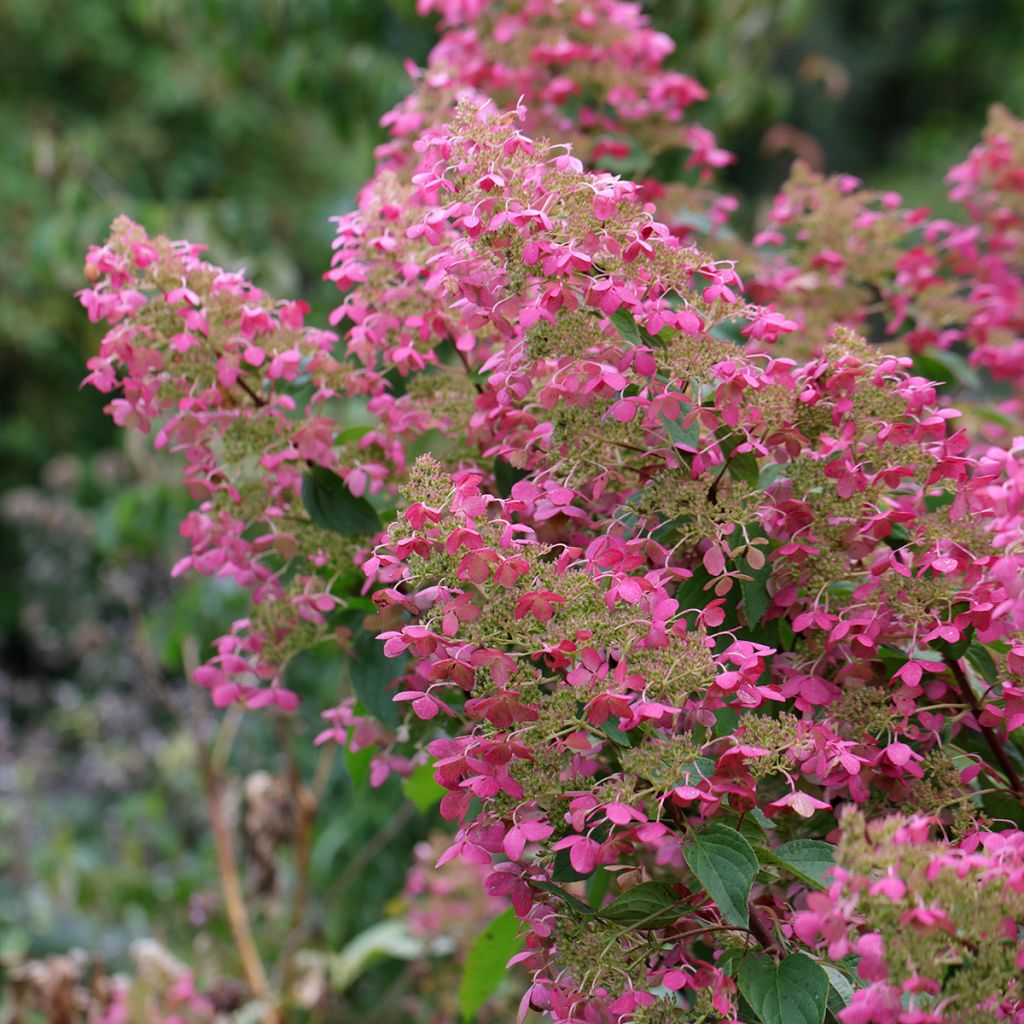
(766,823)
(332,506)
(725,865)
(794,991)
(421,789)
(484,968)
(807,859)
(811,856)
(648,905)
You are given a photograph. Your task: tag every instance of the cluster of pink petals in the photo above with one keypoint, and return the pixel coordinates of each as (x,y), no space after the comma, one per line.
(989,866)
(501,546)
(940,284)
(590,73)
(213,363)
(660,582)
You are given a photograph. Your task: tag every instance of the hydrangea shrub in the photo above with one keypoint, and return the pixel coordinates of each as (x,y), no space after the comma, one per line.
(703,600)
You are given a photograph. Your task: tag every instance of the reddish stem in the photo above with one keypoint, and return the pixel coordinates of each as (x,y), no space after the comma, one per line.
(995,744)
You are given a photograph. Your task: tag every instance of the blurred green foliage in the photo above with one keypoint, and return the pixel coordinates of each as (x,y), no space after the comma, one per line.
(245,124)
(892,92)
(242,124)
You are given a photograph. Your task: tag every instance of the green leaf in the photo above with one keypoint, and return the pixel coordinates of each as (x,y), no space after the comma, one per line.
(840,988)
(570,901)
(955,650)
(688,437)
(690,594)
(933,502)
(999,806)
(744,466)
(726,721)
(794,991)
(421,789)
(506,476)
(725,864)
(755,593)
(978,655)
(947,367)
(485,963)
(766,823)
(563,871)
(992,416)
(597,886)
(622,320)
(808,859)
(692,772)
(383,940)
(811,856)
(358,764)
(786,634)
(648,905)
(632,332)
(372,673)
(352,433)
(332,506)
(771,472)
(612,730)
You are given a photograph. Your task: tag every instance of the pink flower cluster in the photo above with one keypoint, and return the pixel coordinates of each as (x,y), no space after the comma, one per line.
(936,927)
(569,619)
(664,607)
(215,364)
(590,74)
(942,287)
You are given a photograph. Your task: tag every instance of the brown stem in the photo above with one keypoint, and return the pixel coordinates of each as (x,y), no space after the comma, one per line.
(305,804)
(227,864)
(619,444)
(713,489)
(257,398)
(993,741)
(760,930)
